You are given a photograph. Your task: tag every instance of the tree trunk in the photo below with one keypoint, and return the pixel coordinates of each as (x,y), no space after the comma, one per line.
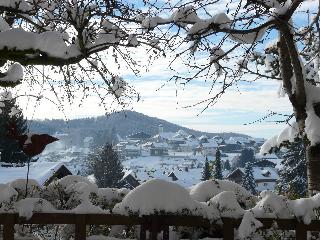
(313,161)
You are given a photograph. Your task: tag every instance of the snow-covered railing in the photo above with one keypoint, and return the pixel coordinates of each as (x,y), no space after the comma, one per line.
(154,223)
(300,228)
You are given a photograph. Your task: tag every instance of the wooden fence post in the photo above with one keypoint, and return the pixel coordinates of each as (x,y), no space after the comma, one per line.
(154,228)
(228,229)
(165,233)
(80,228)
(8,227)
(301,232)
(143,232)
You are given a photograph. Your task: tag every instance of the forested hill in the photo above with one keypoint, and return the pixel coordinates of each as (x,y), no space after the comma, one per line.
(123,123)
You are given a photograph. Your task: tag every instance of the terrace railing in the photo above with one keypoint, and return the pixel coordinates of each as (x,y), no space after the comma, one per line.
(155,224)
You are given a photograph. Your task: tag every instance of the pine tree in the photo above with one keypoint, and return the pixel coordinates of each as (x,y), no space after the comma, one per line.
(248,181)
(206,173)
(106,167)
(217,166)
(227,165)
(11,114)
(246,155)
(293,174)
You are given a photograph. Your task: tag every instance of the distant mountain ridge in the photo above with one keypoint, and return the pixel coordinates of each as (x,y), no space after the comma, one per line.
(123,123)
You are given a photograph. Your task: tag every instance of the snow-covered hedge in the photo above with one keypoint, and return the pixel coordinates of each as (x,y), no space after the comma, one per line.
(212,199)
(159,197)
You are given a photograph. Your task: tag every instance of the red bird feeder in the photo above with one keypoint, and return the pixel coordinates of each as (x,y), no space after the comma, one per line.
(33,145)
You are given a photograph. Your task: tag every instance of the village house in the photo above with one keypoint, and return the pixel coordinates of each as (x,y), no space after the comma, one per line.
(189,146)
(265,177)
(208,148)
(230,146)
(139,136)
(159,149)
(43,172)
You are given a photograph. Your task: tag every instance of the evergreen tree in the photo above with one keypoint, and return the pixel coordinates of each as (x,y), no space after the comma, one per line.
(106,167)
(206,173)
(10,114)
(246,155)
(248,181)
(227,165)
(217,166)
(293,175)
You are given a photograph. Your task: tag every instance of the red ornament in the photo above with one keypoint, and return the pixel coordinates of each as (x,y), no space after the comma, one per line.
(35,144)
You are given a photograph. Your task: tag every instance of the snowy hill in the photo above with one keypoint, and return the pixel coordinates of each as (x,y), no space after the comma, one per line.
(123,123)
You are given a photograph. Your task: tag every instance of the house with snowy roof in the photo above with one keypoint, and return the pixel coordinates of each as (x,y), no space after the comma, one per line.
(208,148)
(129,180)
(203,139)
(132,151)
(164,136)
(243,140)
(190,145)
(140,136)
(159,149)
(173,177)
(265,177)
(230,145)
(43,172)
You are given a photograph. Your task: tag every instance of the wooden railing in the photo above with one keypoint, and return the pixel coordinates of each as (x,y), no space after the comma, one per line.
(154,224)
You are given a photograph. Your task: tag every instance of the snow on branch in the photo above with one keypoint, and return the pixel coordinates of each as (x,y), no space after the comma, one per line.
(289,134)
(13,76)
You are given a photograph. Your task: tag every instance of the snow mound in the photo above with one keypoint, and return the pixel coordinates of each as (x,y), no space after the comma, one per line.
(26,207)
(158,196)
(71,180)
(112,194)
(33,189)
(227,204)
(204,191)
(7,193)
(86,207)
(248,225)
(75,190)
(304,208)
(272,205)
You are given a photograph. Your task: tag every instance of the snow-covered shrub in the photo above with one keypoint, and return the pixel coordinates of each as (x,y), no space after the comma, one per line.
(107,198)
(306,209)
(8,196)
(158,197)
(272,205)
(227,204)
(206,190)
(68,192)
(26,207)
(33,189)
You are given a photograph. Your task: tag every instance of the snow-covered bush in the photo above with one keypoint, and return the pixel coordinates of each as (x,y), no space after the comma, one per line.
(206,190)
(227,204)
(69,192)
(212,199)
(33,189)
(107,198)
(158,197)
(8,196)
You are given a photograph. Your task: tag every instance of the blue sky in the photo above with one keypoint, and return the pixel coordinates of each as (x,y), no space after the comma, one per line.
(242,104)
